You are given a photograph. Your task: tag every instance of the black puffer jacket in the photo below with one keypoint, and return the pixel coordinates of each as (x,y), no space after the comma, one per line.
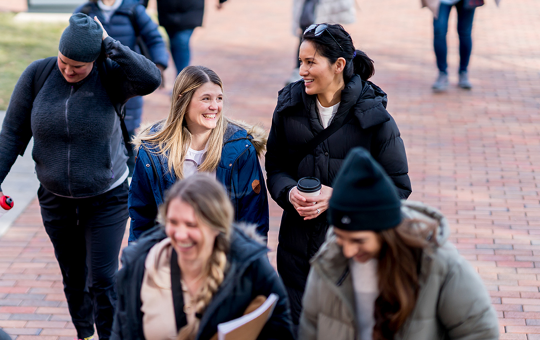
(249,275)
(177,15)
(295,123)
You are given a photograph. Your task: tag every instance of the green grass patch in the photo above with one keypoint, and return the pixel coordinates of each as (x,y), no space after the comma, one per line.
(21,44)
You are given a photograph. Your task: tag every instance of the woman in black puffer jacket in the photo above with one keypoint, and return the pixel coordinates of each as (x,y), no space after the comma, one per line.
(335,88)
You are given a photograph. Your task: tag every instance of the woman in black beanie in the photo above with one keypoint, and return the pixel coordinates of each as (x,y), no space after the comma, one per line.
(70,104)
(386,270)
(336,104)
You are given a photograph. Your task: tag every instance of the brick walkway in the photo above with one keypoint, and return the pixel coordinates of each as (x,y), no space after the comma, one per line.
(475,155)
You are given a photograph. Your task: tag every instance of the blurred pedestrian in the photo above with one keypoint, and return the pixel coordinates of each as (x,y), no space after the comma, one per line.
(197,137)
(80,159)
(127,22)
(387,271)
(335,95)
(465,14)
(180,18)
(309,12)
(181,281)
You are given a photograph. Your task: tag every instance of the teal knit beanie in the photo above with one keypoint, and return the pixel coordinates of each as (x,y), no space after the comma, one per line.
(81,40)
(364,197)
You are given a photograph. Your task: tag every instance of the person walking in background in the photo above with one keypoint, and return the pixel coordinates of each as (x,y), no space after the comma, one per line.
(181,281)
(180,18)
(80,159)
(309,12)
(387,271)
(195,137)
(335,95)
(127,22)
(465,13)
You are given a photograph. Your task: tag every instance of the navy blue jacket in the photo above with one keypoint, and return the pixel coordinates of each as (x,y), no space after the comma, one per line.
(238,170)
(249,274)
(120,28)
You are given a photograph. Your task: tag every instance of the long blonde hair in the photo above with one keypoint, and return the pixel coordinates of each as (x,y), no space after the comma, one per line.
(173,137)
(212,207)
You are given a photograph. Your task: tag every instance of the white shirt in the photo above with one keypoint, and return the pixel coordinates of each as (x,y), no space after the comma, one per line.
(366,291)
(193,160)
(326,113)
(108,10)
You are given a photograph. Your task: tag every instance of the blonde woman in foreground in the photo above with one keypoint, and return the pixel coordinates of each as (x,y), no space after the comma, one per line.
(197,137)
(180,282)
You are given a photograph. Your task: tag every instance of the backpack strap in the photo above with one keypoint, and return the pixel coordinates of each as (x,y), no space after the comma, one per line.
(43,71)
(178,295)
(139,41)
(104,65)
(86,9)
(305,149)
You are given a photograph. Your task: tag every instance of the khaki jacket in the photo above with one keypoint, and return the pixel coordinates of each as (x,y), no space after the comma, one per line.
(452,303)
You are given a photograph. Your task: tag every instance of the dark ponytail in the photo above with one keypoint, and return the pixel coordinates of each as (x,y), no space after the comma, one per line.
(337,43)
(362,65)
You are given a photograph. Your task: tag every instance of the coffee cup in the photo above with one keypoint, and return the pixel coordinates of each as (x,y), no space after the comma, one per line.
(309,186)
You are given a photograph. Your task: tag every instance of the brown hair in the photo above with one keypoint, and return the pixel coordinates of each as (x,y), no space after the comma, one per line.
(212,207)
(398,270)
(173,137)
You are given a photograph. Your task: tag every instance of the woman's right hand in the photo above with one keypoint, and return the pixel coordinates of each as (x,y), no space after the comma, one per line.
(298,201)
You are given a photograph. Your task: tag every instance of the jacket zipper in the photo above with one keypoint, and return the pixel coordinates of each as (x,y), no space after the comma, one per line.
(335,288)
(69,144)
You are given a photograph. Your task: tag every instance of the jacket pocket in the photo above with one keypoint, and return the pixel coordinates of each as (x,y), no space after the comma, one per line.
(329,328)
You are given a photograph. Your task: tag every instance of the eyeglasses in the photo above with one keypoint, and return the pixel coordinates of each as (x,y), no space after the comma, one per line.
(320,29)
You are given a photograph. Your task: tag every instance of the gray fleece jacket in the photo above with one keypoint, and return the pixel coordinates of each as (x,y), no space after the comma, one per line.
(78,146)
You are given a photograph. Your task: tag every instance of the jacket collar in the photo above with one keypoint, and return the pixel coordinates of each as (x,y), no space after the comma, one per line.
(367,99)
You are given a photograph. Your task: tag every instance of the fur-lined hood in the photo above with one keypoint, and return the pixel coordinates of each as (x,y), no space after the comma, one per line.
(259,136)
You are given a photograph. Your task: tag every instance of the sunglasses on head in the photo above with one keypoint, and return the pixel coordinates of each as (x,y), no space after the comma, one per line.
(320,29)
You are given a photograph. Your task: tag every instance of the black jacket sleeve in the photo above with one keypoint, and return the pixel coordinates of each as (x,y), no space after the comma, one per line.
(266,281)
(133,74)
(16,130)
(279,180)
(390,153)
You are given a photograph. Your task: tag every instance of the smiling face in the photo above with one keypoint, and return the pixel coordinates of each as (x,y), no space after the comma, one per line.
(358,245)
(205,108)
(319,75)
(73,71)
(192,239)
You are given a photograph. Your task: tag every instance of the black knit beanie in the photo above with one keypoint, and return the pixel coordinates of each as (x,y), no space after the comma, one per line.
(81,40)
(364,197)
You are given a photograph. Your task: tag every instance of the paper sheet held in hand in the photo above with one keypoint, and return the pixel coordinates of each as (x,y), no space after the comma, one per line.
(249,326)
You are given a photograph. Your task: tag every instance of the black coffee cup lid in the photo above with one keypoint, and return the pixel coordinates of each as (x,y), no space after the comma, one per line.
(309,184)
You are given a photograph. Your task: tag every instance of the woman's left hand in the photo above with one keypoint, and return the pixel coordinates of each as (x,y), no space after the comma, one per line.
(105,34)
(320,204)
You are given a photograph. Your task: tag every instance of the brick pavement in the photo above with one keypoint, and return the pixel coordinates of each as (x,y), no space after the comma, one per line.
(474,154)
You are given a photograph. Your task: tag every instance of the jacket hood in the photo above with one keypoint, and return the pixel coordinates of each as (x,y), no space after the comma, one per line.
(259,135)
(368,100)
(333,264)
(235,130)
